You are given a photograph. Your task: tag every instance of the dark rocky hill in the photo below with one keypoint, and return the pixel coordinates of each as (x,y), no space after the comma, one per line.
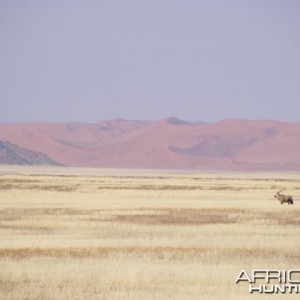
(12,154)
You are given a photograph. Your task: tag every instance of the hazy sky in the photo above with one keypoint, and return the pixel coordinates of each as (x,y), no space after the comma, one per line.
(196,60)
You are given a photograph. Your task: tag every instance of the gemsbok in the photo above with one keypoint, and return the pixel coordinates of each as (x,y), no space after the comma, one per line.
(284,198)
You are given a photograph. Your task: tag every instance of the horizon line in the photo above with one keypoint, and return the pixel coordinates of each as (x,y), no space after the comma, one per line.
(171,118)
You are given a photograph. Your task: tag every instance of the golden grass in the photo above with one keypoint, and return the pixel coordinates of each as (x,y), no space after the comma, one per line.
(118,234)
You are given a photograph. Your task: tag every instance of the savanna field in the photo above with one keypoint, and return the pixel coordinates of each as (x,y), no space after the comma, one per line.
(126,234)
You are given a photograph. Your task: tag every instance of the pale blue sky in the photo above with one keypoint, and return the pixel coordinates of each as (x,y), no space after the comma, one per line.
(196,60)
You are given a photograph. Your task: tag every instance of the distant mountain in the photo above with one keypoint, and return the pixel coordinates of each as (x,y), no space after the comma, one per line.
(171,143)
(15,155)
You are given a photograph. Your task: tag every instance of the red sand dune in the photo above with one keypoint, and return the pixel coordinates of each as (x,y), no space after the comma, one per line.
(168,143)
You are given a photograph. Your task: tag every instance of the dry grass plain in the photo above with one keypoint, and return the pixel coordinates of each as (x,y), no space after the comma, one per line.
(117,234)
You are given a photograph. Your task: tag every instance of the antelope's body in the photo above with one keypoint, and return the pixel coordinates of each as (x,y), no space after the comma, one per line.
(284,198)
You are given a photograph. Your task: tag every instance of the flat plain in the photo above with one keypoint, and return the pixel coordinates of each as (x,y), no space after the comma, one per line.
(69,233)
